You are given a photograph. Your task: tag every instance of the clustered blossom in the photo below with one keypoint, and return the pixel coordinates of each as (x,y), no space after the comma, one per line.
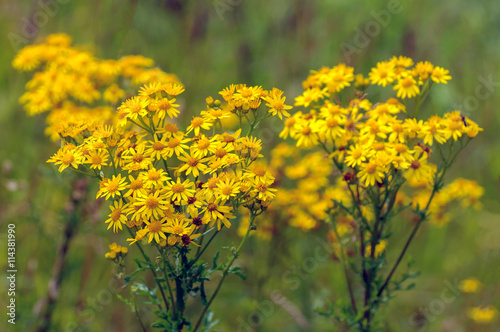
(165,183)
(77,88)
(373,145)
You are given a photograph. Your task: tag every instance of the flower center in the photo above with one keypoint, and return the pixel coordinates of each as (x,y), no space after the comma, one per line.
(227,190)
(192,161)
(332,122)
(115,215)
(152,202)
(157,146)
(212,207)
(220,153)
(68,158)
(196,122)
(138,157)
(112,186)
(415,164)
(171,128)
(178,229)
(371,168)
(203,144)
(400,148)
(136,184)
(178,188)
(154,226)
(407,82)
(174,142)
(154,175)
(259,171)
(197,221)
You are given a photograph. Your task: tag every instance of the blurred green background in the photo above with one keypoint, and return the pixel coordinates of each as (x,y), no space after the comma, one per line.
(210,44)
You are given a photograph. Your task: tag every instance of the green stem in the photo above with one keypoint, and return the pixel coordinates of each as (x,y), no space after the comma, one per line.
(226,271)
(167,281)
(198,255)
(349,286)
(152,270)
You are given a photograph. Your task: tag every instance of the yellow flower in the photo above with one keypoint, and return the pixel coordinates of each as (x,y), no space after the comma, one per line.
(97,159)
(218,213)
(197,124)
(176,145)
(134,107)
(150,204)
(111,187)
(177,191)
(138,236)
(407,87)
(370,173)
(482,315)
(135,186)
(193,164)
(383,74)
(355,156)
(419,169)
(440,75)
(156,230)
(117,217)
(153,178)
(277,104)
(67,157)
(470,285)
(181,231)
(227,188)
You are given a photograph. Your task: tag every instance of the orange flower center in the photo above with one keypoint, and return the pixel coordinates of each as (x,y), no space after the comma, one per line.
(154,226)
(227,190)
(371,168)
(115,215)
(157,146)
(178,188)
(174,142)
(191,161)
(178,229)
(220,153)
(259,171)
(68,158)
(138,157)
(203,144)
(154,175)
(196,122)
(136,184)
(112,186)
(152,202)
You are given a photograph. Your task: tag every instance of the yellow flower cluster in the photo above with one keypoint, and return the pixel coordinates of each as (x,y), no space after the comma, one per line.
(467,192)
(76,87)
(164,183)
(376,146)
(483,315)
(116,252)
(374,140)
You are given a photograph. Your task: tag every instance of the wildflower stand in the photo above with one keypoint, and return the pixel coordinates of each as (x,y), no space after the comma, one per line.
(376,154)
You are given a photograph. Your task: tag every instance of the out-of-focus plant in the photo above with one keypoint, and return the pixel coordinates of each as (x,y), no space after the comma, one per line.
(372,163)
(171,191)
